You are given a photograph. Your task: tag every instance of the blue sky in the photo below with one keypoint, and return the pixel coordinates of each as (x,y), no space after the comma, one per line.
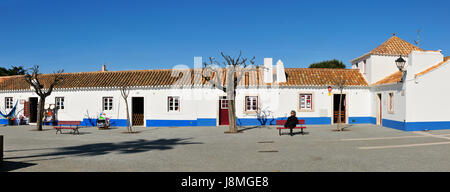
(81,35)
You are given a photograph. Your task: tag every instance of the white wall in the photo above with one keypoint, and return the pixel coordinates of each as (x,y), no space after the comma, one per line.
(282,100)
(378,66)
(383,66)
(359,102)
(197,102)
(364,69)
(422,60)
(428,96)
(399,102)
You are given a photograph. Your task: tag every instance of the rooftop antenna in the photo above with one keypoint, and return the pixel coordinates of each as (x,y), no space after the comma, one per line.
(418,38)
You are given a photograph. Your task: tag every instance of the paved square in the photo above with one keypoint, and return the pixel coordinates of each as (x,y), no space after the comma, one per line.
(362,148)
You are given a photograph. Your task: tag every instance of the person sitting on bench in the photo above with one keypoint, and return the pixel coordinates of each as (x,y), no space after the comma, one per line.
(291,122)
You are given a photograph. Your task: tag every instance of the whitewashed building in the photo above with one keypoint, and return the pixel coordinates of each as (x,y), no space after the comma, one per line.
(411,100)
(181,97)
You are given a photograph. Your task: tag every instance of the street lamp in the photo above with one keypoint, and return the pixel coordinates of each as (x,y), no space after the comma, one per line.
(400,62)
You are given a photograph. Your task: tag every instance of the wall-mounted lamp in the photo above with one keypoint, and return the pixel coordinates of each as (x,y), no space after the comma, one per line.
(400,62)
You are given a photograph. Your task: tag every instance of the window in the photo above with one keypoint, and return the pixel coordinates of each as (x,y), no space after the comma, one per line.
(306,102)
(59,102)
(391,102)
(251,103)
(224,103)
(107,103)
(8,103)
(173,103)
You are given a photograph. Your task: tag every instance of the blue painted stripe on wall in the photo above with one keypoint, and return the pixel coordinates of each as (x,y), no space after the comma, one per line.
(118,122)
(393,124)
(272,121)
(420,126)
(3,121)
(171,123)
(206,122)
(254,121)
(316,120)
(113,122)
(155,123)
(240,122)
(88,122)
(416,126)
(362,120)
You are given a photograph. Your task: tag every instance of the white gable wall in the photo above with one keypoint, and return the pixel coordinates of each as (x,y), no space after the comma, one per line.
(428,96)
(364,69)
(382,66)
(422,60)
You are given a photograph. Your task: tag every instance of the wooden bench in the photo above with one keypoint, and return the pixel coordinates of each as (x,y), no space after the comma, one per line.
(301,125)
(73,125)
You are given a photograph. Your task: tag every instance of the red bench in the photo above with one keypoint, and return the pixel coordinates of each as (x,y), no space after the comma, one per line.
(301,125)
(73,125)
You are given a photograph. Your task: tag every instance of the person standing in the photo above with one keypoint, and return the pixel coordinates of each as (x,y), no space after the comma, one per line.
(291,122)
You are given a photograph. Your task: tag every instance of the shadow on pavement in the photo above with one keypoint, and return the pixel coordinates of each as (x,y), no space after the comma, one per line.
(11,166)
(126,147)
(252,127)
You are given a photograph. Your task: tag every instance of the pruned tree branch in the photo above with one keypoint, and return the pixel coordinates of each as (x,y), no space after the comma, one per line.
(33,79)
(233,70)
(125,91)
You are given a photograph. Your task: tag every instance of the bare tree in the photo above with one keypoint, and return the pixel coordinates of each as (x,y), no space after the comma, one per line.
(340,85)
(125,92)
(233,69)
(263,115)
(33,80)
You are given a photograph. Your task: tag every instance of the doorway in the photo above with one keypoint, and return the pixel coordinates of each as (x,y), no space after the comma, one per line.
(33,109)
(137,111)
(379,110)
(223,111)
(343,117)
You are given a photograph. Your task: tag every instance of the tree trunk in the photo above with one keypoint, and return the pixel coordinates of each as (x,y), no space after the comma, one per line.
(232,116)
(340,112)
(231,96)
(40,113)
(128,117)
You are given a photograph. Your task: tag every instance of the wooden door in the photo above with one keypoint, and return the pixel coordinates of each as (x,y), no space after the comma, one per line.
(33,103)
(379,110)
(137,111)
(223,111)
(336,98)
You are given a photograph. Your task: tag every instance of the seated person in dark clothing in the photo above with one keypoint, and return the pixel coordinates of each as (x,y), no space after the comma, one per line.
(291,122)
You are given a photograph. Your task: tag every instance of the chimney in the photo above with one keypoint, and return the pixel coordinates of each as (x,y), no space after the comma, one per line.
(281,75)
(104,67)
(268,70)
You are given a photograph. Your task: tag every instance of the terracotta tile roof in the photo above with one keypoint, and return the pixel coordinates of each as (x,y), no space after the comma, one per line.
(395,46)
(432,67)
(2,79)
(323,77)
(393,78)
(184,77)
